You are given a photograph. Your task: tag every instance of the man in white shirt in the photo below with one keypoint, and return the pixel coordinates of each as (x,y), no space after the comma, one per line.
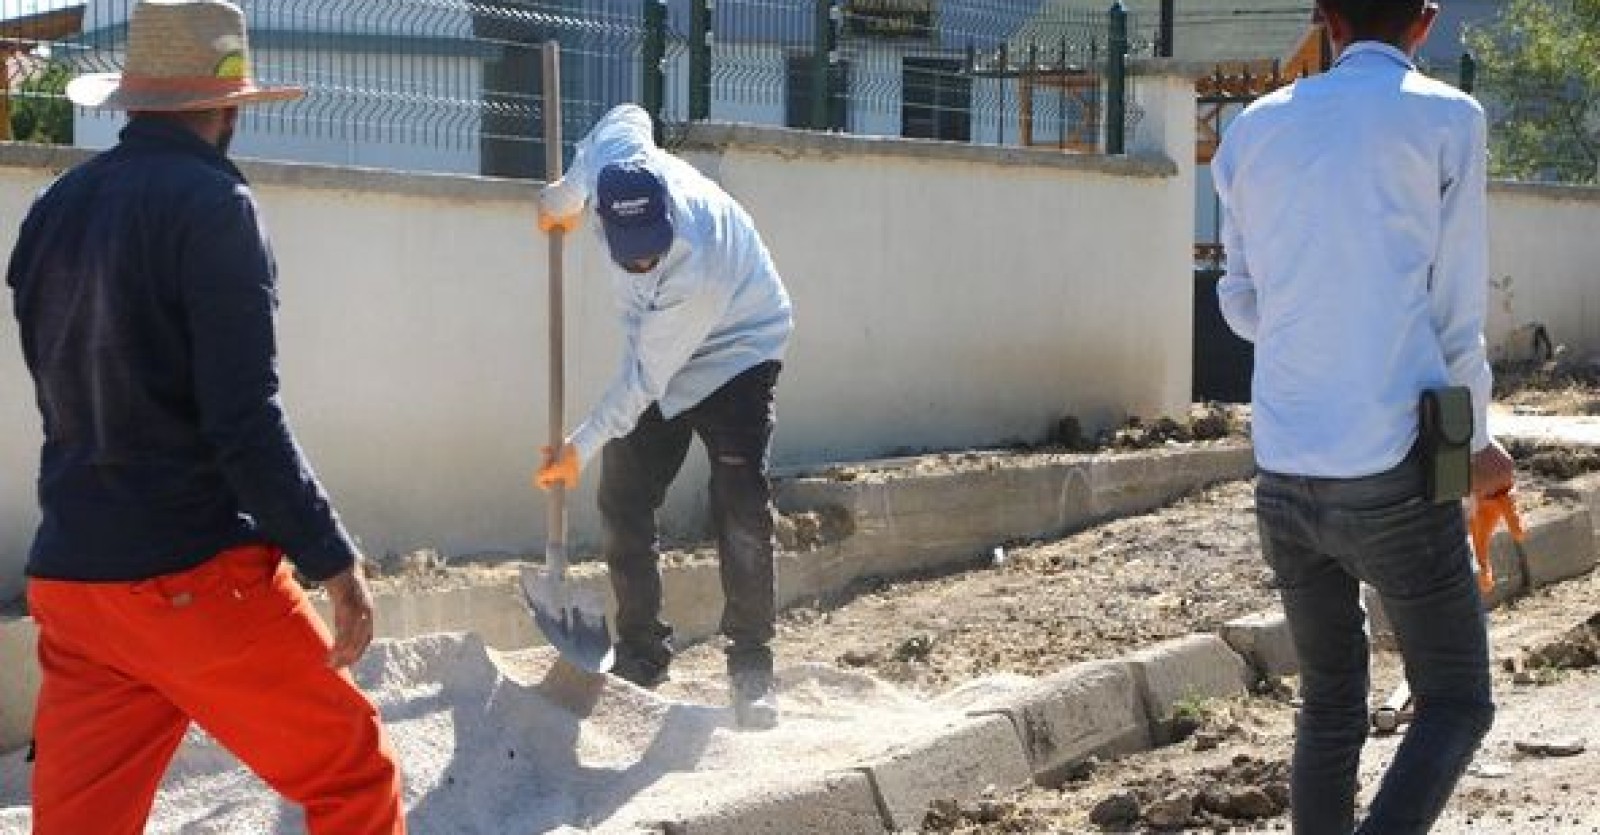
(706,320)
(1355,227)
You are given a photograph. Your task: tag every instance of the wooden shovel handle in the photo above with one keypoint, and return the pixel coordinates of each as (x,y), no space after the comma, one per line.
(556,511)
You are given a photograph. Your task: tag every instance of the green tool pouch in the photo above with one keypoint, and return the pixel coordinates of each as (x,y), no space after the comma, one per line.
(1446,441)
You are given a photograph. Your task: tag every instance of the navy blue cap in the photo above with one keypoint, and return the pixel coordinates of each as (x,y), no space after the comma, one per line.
(632,202)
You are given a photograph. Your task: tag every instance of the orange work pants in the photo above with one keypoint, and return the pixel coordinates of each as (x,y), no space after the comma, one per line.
(233,645)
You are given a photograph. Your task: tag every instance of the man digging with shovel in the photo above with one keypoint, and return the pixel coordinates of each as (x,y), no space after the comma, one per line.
(706,321)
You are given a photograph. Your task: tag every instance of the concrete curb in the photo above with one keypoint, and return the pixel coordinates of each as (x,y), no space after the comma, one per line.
(905,522)
(1182,671)
(957,763)
(1263,640)
(1087,710)
(842,802)
(1586,491)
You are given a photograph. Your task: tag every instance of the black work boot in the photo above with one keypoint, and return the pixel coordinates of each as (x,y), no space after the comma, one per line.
(643,664)
(755,699)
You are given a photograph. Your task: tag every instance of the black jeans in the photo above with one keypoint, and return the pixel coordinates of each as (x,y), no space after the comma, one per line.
(1321,536)
(735,423)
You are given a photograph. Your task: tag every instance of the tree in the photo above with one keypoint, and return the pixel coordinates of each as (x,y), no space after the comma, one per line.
(1539,77)
(40,111)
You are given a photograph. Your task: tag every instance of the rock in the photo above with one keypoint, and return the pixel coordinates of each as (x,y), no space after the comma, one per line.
(1171,812)
(1184,726)
(1489,771)
(1118,809)
(990,810)
(1250,803)
(858,658)
(914,648)
(1207,740)
(1240,802)
(1278,790)
(1080,771)
(783,528)
(1556,747)
(944,814)
(417,563)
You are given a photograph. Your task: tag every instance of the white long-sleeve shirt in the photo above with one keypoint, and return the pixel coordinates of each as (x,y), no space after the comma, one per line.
(713,308)
(1355,223)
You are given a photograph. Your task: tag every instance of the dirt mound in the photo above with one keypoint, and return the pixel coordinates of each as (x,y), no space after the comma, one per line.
(1560,385)
(1246,789)
(1557,462)
(1204,422)
(1577,649)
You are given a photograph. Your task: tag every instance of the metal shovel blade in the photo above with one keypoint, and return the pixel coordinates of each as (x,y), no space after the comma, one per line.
(573,620)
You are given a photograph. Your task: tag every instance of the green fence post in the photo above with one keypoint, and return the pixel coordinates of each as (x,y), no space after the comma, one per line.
(700,60)
(653,71)
(1469,72)
(1165,45)
(821,65)
(1117,81)
(1003,77)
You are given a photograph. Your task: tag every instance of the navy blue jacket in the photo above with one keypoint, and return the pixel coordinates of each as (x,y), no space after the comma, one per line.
(145,291)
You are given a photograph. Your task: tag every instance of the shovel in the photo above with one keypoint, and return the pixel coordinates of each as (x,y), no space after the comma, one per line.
(572,619)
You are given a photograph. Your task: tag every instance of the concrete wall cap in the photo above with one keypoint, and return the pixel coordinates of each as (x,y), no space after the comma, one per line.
(725,136)
(264,173)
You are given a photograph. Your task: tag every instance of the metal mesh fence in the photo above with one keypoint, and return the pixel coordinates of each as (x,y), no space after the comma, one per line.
(450,85)
(453,85)
(989,71)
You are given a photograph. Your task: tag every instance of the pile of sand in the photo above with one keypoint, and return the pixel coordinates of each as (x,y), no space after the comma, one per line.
(515,743)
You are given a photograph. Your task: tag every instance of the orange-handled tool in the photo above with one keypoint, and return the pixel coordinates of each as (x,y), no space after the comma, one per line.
(1487,513)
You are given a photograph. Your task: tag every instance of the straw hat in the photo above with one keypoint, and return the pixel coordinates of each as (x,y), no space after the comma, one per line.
(182,55)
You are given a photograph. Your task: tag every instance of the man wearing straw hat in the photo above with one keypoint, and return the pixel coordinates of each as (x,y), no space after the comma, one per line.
(171,486)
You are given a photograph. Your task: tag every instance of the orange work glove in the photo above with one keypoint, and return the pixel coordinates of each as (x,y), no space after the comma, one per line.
(560,206)
(566,223)
(560,469)
(1487,514)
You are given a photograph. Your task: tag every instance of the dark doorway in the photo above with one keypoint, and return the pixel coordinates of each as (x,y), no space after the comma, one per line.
(798,107)
(1223,363)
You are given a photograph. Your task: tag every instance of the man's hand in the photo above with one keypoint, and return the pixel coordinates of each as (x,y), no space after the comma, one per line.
(560,207)
(560,467)
(1493,471)
(352,616)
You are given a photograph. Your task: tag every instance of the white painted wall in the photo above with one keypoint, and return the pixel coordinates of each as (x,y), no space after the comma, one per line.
(1544,254)
(19,419)
(946,296)
(939,304)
